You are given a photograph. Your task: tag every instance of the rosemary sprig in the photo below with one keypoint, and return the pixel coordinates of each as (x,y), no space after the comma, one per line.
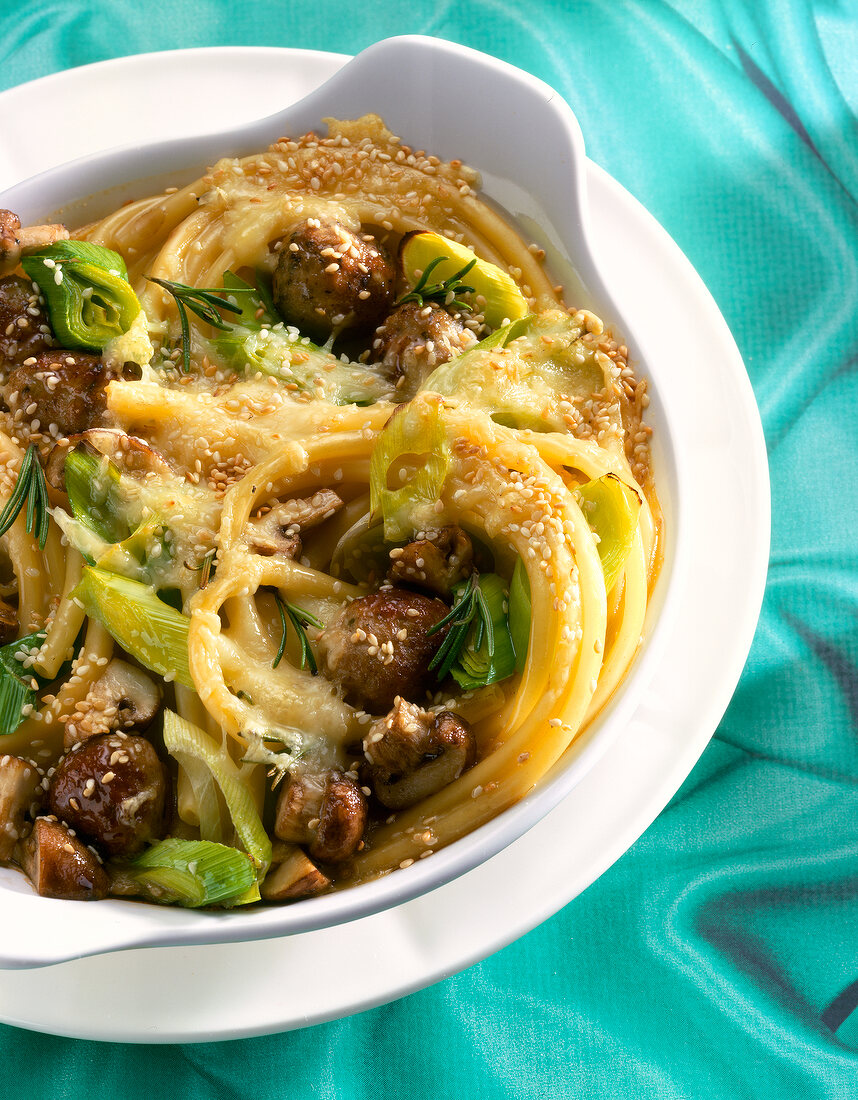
(424,291)
(203,302)
(299,618)
(469,609)
(30,485)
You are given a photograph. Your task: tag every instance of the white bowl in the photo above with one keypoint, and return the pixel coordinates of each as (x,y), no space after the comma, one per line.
(537,173)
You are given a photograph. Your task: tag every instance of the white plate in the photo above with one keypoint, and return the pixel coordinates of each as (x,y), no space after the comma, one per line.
(231,990)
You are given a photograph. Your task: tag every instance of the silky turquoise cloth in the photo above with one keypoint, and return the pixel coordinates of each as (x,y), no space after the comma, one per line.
(719,957)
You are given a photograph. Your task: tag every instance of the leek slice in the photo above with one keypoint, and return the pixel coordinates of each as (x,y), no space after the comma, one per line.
(89,299)
(211,818)
(519,614)
(250,301)
(529,383)
(494,658)
(413,444)
(189,744)
(504,301)
(270,347)
(190,873)
(16,682)
(103,502)
(145,626)
(611,508)
(95,492)
(503,336)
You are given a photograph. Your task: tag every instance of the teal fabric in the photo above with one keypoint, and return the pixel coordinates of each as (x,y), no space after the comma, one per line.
(719,956)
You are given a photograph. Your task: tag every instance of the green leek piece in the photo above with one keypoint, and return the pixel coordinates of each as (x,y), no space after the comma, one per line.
(519,614)
(189,744)
(191,873)
(528,383)
(136,556)
(264,344)
(413,440)
(95,492)
(503,336)
(103,501)
(214,821)
(282,353)
(90,301)
(146,627)
(611,508)
(250,300)
(16,682)
(504,301)
(266,296)
(493,659)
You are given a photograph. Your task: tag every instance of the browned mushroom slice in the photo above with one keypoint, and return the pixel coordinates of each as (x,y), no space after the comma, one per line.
(379,646)
(111,789)
(299,803)
(328,277)
(293,875)
(10,249)
(61,393)
(327,812)
(16,241)
(279,530)
(416,338)
(122,698)
(412,753)
(20,799)
(438,562)
(132,455)
(59,865)
(342,820)
(8,623)
(24,326)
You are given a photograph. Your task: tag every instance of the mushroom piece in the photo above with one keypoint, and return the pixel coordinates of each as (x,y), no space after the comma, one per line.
(66,387)
(415,339)
(330,278)
(8,622)
(292,875)
(24,324)
(20,799)
(122,698)
(412,753)
(59,865)
(378,647)
(131,454)
(279,530)
(16,241)
(111,789)
(326,812)
(438,562)
(299,803)
(342,820)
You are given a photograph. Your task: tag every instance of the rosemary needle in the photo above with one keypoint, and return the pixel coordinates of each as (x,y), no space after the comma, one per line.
(424,291)
(299,618)
(30,486)
(203,302)
(470,606)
